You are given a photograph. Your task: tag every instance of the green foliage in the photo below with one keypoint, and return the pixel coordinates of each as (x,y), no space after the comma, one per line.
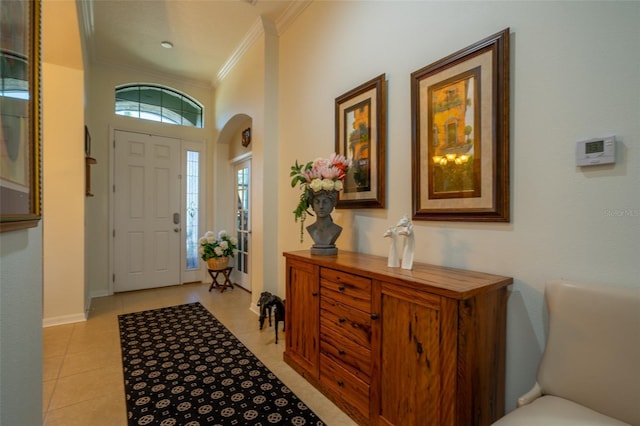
(299,178)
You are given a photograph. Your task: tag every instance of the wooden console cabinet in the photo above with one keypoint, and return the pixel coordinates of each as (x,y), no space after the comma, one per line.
(396,347)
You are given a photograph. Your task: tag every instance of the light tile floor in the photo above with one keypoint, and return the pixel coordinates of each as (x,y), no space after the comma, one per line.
(82,377)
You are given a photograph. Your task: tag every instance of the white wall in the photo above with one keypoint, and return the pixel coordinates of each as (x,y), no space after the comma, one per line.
(63,195)
(63,165)
(243,92)
(21,327)
(575,68)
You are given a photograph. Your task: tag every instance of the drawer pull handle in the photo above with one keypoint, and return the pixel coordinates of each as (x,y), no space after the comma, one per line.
(374,316)
(315,293)
(341,351)
(340,383)
(341,287)
(341,320)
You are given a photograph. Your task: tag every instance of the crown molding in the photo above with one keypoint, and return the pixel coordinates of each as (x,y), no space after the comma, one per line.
(249,39)
(257,29)
(85,12)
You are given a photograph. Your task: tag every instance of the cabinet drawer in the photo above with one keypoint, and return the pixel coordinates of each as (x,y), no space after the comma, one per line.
(353,357)
(351,323)
(344,385)
(353,290)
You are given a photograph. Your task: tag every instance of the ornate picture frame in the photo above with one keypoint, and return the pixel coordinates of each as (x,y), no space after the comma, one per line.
(246,137)
(20,151)
(361,130)
(460,135)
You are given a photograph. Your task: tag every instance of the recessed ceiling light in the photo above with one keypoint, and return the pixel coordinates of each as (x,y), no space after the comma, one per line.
(166,44)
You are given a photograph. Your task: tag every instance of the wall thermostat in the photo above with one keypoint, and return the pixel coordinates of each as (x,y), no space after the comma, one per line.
(592,152)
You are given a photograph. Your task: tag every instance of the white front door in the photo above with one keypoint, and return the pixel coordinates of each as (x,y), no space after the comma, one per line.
(243,222)
(147,222)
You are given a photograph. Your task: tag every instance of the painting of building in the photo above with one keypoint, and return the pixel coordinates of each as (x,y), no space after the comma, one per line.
(453,144)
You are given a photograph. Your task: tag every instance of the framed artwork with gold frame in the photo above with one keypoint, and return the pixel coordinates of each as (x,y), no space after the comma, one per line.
(20,104)
(460,135)
(361,137)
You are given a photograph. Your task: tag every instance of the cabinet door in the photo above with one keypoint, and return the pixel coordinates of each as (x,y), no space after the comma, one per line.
(415,366)
(302,318)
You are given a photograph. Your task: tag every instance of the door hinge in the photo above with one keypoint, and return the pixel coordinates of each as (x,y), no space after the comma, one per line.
(114,188)
(114,233)
(113,278)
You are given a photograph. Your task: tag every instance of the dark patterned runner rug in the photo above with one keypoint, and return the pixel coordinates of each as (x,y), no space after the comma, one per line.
(183,367)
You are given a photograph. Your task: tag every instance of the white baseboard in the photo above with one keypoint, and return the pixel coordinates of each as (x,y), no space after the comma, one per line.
(254,308)
(64,319)
(101,293)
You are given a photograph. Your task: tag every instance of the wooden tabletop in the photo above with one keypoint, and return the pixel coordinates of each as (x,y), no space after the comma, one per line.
(450,282)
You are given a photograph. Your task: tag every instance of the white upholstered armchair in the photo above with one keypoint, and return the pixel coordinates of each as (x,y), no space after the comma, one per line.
(589,373)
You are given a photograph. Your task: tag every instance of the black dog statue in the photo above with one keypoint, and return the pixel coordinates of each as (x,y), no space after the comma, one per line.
(262,304)
(275,304)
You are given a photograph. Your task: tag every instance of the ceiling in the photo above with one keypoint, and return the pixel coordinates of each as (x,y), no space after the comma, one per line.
(207,35)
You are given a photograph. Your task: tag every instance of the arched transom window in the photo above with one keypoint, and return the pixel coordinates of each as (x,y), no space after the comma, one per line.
(157,103)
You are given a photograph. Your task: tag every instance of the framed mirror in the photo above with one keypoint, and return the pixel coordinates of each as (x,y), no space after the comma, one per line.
(20,107)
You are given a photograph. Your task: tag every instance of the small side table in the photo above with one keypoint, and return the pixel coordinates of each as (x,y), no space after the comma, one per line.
(226,273)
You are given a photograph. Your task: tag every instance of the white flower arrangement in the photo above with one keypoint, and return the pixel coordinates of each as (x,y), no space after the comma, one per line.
(212,246)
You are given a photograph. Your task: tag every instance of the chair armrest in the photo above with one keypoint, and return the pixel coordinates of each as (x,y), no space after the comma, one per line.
(530,396)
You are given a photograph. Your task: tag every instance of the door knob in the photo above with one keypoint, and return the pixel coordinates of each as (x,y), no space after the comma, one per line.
(176,229)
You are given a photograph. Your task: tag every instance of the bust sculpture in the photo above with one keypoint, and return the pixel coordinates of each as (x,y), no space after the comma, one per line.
(324,232)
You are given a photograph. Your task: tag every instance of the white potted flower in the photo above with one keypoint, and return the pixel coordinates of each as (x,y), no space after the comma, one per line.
(217,249)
